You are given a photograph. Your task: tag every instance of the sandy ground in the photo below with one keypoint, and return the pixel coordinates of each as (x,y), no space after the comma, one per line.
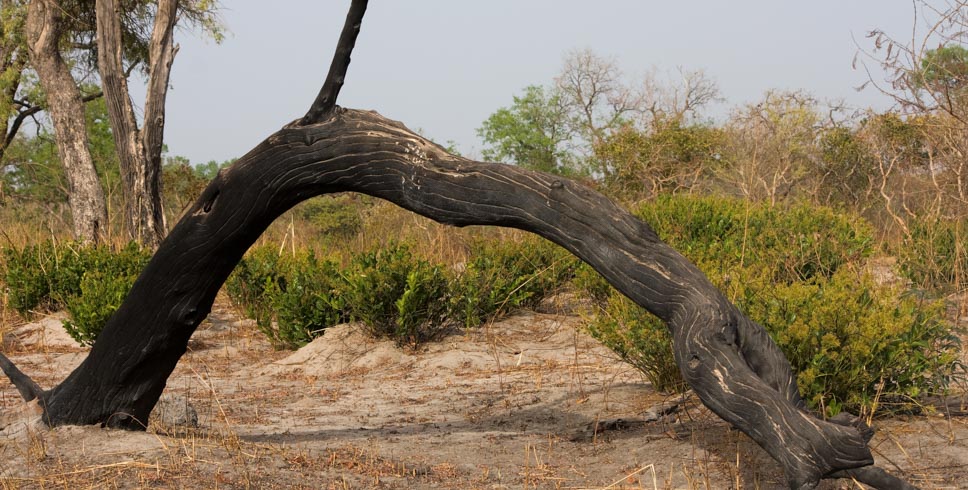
(528,402)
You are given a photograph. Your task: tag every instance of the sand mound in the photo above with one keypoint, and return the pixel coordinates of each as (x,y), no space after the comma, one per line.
(342,349)
(524,339)
(45,334)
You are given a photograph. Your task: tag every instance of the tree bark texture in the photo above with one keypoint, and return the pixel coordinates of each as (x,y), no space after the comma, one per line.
(730,361)
(43,30)
(139,150)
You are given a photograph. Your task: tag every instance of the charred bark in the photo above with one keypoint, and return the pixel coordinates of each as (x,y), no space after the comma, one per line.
(43,30)
(730,361)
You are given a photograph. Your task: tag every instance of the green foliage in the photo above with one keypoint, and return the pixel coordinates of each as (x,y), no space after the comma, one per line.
(855,345)
(305,301)
(48,275)
(90,282)
(209,170)
(398,295)
(944,69)
(935,254)
(670,157)
(293,299)
(340,216)
(257,272)
(846,167)
(101,294)
(182,183)
(395,293)
(32,171)
(640,339)
(531,133)
(801,241)
(26,279)
(502,276)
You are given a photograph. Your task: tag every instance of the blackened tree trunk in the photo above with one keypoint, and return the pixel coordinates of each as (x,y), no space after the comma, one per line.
(730,361)
(43,31)
(139,150)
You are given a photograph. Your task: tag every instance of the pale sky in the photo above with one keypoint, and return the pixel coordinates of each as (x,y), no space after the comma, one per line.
(443,66)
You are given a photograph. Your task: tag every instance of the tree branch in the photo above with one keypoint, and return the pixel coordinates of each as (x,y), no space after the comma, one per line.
(875,477)
(28,389)
(30,111)
(326,100)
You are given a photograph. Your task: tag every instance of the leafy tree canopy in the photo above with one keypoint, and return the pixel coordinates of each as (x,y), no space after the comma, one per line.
(533,132)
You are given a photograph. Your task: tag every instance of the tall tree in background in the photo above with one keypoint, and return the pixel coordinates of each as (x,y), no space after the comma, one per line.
(139,150)
(67,41)
(533,132)
(44,31)
(635,138)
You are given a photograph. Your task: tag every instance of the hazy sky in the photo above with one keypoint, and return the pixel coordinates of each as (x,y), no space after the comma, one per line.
(443,66)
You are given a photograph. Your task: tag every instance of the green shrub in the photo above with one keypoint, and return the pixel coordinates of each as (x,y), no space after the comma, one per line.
(103,278)
(502,276)
(338,215)
(28,284)
(44,276)
(800,240)
(100,296)
(292,298)
(935,254)
(305,301)
(246,286)
(640,339)
(854,345)
(595,288)
(397,295)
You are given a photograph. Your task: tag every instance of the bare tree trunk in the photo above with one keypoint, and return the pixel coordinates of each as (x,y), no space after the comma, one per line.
(43,31)
(139,150)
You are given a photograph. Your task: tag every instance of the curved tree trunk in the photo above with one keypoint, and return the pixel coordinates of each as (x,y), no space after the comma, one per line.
(730,361)
(43,31)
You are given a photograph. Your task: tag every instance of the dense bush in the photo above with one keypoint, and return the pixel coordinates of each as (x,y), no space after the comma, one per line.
(26,277)
(392,291)
(292,298)
(640,339)
(398,295)
(259,270)
(502,276)
(100,296)
(854,345)
(800,241)
(339,215)
(305,301)
(90,282)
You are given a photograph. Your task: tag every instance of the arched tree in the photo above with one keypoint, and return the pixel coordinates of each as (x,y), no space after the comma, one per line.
(730,361)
